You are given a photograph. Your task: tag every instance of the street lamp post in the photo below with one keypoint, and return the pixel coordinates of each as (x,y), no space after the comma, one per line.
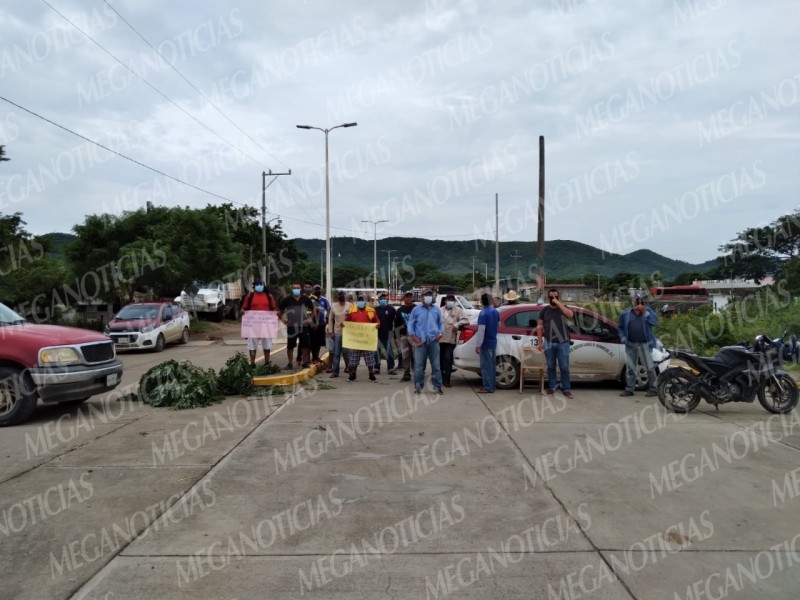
(268,258)
(389,270)
(375,254)
(328,266)
(264,186)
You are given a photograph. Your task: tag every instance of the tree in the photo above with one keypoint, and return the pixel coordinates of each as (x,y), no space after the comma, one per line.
(3,157)
(757,251)
(27,271)
(687,278)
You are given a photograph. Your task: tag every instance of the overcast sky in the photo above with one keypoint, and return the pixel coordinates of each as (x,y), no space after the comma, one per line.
(669,126)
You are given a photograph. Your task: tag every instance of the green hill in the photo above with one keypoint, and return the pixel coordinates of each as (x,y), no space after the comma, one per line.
(563,258)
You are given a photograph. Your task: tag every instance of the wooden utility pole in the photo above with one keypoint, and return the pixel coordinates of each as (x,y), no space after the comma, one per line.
(540,234)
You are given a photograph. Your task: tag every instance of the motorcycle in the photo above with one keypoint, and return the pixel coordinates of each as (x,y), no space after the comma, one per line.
(734,374)
(789,351)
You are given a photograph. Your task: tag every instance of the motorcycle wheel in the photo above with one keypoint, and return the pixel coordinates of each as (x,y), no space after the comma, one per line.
(780,396)
(672,385)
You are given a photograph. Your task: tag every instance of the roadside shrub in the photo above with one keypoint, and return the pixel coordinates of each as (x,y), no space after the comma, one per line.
(179,385)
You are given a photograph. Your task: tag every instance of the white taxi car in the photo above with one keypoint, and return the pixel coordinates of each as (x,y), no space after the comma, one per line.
(596,352)
(149,325)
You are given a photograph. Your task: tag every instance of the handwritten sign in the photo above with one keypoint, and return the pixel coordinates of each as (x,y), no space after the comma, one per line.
(260,324)
(360,336)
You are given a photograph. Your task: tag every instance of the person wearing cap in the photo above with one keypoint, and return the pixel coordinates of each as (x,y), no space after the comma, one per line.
(553,336)
(636,332)
(454,319)
(361,313)
(386,315)
(336,317)
(258,299)
(425,326)
(510,298)
(401,317)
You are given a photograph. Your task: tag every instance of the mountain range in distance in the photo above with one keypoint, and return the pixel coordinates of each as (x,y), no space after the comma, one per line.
(562,259)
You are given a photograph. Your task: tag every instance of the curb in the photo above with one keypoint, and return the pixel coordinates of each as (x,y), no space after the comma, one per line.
(293,378)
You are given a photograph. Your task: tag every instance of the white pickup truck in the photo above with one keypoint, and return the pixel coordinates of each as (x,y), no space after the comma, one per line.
(219,299)
(469,309)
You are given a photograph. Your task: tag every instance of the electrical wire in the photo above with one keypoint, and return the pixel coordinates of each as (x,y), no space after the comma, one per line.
(133,160)
(159,92)
(194,87)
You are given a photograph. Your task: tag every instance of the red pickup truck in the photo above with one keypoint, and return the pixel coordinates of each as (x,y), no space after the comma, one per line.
(51,363)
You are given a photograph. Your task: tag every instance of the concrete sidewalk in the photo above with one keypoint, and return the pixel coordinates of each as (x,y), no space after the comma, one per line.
(363,490)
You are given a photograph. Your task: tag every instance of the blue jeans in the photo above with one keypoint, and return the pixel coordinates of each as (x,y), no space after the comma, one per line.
(635,353)
(337,354)
(384,342)
(423,352)
(557,353)
(488,372)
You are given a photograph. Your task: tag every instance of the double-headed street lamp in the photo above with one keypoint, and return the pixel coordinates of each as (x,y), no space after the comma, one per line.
(328,265)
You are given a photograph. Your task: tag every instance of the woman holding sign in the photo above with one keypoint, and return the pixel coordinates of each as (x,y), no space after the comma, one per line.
(361,336)
(258,299)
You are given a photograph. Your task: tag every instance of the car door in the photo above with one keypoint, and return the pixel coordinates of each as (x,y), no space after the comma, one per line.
(168,323)
(516,330)
(595,352)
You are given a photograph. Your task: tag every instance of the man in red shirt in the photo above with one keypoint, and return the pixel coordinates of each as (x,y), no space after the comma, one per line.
(361,313)
(258,299)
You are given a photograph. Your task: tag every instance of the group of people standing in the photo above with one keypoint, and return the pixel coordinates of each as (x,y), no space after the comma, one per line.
(425,333)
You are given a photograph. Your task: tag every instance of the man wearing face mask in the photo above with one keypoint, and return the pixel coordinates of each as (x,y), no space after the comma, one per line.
(401,317)
(361,313)
(425,327)
(386,315)
(554,328)
(336,317)
(454,320)
(297,312)
(258,299)
(318,326)
(486,344)
(636,332)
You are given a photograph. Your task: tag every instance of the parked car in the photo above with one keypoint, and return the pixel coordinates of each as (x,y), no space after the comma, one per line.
(51,363)
(149,325)
(596,354)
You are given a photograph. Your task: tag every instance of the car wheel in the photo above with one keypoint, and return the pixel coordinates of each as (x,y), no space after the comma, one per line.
(184,336)
(234,314)
(506,373)
(160,343)
(18,396)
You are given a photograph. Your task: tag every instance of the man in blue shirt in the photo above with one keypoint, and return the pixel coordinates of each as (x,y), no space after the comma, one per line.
(425,328)
(486,340)
(636,332)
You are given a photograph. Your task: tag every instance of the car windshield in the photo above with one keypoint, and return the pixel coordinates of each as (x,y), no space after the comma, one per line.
(9,317)
(132,313)
(465,303)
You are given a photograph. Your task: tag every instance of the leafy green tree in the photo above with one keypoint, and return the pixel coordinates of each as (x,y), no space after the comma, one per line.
(687,278)
(757,251)
(27,272)
(3,157)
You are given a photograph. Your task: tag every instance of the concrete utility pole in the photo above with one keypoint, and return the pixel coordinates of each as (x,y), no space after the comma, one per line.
(515,256)
(540,235)
(375,254)
(264,187)
(496,245)
(388,277)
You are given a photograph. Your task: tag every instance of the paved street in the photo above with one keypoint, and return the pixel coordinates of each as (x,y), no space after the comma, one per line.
(365,490)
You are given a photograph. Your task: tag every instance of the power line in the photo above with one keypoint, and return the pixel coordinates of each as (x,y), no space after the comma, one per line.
(133,160)
(174,68)
(162,94)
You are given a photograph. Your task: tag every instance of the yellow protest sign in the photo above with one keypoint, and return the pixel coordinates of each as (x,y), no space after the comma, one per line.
(359,336)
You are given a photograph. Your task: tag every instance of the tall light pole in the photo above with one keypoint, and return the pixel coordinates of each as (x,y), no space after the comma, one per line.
(496,244)
(389,270)
(375,253)
(515,256)
(473,274)
(328,266)
(264,242)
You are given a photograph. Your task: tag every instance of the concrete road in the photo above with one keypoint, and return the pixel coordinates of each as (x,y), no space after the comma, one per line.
(362,490)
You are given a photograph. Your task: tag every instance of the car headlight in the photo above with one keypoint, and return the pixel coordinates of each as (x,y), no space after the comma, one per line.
(59,356)
(147,329)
